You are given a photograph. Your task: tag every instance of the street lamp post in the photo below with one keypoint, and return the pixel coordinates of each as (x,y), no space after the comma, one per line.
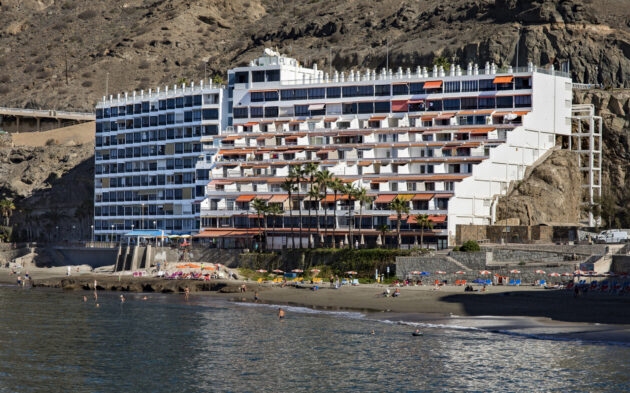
(73,229)
(92,227)
(57,228)
(155,228)
(112,235)
(142,218)
(129,239)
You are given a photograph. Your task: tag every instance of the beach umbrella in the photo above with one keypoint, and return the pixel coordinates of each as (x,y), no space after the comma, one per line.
(540,272)
(345,240)
(208,268)
(351,272)
(579,273)
(554,274)
(277,271)
(321,238)
(379,242)
(567,274)
(485,272)
(425,273)
(315,270)
(416,272)
(415,241)
(174,237)
(460,272)
(261,271)
(362,240)
(297,271)
(185,236)
(515,271)
(440,272)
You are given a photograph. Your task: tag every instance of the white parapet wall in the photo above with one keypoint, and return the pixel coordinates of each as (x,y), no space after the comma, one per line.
(474,201)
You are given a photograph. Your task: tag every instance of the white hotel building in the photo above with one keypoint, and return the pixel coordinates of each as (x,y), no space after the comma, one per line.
(447,143)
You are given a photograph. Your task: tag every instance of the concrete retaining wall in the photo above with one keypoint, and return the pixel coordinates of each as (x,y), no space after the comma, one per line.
(473,260)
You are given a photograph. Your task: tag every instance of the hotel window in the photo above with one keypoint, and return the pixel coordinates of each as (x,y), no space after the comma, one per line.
(106,112)
(301,94)
(416,107)
(400,89)
(366,107)
(99,113)
(442,203)
(522,101)
(350,91)
(287,95)
(241,77)
(170,103)
(257,96)
(188,116)
(452,87)
(301,110)
(315,93)
(504,102)
(486,103)
(271,111)
(258,76)
(256,111)
(486,85)
(452,104)
(349,108)
(153,121)
(366,91)
(210,114)
(393,186)
(129,109)
(99,127)
(114,111)
(179,102)
(523,83)
(434,105)
(333,92)
(145,107)
(430,167)
(271,95)
(470,86)
(416,88)
(154,106)
(429,186)
(382,90)
(272,75)
(381,107)
(196,115)
(469,103)
(240,113)
(137,122)
(137,108)
(162,105)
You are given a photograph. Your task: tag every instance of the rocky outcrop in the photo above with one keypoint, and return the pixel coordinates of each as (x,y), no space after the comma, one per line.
(551,193)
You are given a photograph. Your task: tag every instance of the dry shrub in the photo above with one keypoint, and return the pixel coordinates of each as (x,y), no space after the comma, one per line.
(86,84)
(87,14)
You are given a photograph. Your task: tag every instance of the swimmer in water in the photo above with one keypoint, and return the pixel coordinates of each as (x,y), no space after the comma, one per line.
(372,332)
(84,299)
(186,293)
(122,299)
(145,298)
(98,305)
(280,314)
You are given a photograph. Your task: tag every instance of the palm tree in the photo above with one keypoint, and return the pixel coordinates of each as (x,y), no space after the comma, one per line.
(310,170)
(7,207)
(351,191)
(297,174)
(314,195)
(324,178)
(289,186)
(337,186)
(261,208)
(400,206)
(383,229)
(425,222)
(361,196)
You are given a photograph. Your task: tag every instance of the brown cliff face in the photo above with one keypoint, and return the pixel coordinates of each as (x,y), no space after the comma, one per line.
(550,193)
(143,44)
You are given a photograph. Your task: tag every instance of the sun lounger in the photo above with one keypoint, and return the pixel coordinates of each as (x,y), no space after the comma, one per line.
(463,282)
(512,282)
(517,283)
(355,281)
(488,282)
(457,282)
(542,283)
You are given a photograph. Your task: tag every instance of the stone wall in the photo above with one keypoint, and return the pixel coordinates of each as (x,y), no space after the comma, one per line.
(515,233)
(473,260)
(620,263)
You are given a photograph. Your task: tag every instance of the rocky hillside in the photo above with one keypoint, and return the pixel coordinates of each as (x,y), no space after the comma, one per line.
(51,187)
(68,53)
(550,193)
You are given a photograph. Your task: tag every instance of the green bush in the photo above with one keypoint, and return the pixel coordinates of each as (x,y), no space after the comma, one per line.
(470,246)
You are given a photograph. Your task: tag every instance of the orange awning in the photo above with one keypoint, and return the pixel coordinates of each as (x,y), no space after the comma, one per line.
(399,106)
(245,198)
(432,85)
(365,163)
(377,118)
(503,79)
(385,198)
(250,124)
(443,195)
(278,198)
(330,119)
(331,198)
(437,219)
(232,138)
(481,131)
(405,197)
(423,197)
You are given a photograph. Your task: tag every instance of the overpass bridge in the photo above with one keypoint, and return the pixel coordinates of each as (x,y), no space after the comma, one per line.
(43,114)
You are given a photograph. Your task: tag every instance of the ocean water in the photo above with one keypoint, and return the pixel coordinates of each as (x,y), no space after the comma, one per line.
(51,341)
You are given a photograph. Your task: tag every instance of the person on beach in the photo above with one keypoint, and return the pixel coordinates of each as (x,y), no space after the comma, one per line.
(186,293)
(19,280)
(27,276)
(280,314)
(256,296)
(69,269)
(243,288)
(396,292)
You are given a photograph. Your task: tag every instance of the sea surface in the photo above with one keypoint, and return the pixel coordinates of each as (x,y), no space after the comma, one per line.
(51,341)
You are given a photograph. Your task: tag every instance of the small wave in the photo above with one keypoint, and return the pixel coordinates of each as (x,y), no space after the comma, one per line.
(548,337)
(429,325)
(305,310)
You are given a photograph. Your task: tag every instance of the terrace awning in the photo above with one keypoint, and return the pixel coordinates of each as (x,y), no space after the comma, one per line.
(423,197)
(385,198)
(399,106)
(377,118)
(405,197)
(245,198)
(432,85)
(316,107)
(278,198)
(146,233)
(481,131)
(503,79)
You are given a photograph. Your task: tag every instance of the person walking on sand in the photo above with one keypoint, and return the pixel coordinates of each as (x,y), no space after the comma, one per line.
(186,293)
(19,281)
(69,269)
(256,296)
(280,314)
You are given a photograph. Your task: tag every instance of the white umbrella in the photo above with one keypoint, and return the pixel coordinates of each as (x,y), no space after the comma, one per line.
(541,272)
(379,242)
(415,241)
(345,239)
(297,271)
(485,272)
(362,240)
(261,271)
(460,272)
(440,272)
(515,271)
